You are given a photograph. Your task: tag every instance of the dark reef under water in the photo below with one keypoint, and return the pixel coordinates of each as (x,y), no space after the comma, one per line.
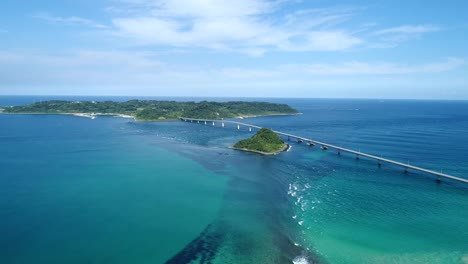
(119,191)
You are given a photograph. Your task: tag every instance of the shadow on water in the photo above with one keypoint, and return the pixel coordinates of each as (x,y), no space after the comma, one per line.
(254,224)
(255,216)
(203,248)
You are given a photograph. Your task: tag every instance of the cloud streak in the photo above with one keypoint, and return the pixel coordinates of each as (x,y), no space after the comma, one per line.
(418,29)
(131,66)
(379,68)
(69,21)
(392,37)
(143,73)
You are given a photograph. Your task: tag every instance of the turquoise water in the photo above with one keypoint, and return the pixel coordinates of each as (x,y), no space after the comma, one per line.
(110,190)
(77,191)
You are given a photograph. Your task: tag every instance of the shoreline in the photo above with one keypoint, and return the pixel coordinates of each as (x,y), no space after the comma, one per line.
(94,115)
(285,148)
(88,115)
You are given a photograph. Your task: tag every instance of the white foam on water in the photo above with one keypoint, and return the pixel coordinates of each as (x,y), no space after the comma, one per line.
(300,260)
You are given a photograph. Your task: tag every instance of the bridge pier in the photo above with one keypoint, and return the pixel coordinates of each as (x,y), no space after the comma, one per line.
(380,160)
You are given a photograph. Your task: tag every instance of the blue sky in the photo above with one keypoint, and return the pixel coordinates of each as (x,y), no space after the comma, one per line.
(259,48)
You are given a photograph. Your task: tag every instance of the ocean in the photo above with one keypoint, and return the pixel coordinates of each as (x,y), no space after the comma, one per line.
(111,190)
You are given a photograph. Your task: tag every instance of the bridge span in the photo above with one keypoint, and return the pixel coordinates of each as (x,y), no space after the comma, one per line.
(325,146)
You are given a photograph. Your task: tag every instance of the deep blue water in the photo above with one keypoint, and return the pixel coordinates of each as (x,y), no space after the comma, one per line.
(110,190)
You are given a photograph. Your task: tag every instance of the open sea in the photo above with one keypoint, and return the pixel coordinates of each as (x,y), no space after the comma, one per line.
(110,190)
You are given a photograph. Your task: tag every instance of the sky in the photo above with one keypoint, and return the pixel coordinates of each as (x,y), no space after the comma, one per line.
(244,48)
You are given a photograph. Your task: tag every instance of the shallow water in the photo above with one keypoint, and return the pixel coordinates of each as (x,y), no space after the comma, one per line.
(111,190)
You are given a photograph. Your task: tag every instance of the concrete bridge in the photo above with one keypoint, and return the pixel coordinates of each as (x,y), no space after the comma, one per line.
(325,146)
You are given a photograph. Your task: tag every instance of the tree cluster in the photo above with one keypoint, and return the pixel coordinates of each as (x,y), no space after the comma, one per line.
(264,141)
(157,110)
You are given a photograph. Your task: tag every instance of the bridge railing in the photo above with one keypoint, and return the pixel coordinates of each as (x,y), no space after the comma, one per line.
(357,153)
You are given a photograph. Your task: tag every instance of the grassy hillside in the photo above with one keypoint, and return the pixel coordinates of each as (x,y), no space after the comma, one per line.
(157,110)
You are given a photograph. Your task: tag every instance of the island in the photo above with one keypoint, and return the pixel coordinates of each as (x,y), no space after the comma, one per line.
(265,142)
(154,110)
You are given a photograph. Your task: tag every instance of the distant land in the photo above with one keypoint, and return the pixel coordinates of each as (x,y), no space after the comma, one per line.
(154,110)
(265,142)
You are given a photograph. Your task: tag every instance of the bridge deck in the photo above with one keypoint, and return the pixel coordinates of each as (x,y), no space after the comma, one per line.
(380,159)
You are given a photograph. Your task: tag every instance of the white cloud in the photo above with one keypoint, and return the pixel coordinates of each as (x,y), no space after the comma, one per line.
(123,72)
(144,68)
(211,8)
(72,20)
(252,27)
(320,40)
(419,29)
(82,63)
(240,73)
(391,37)
(324,17)
(379,68)
(148,62)
(247,26)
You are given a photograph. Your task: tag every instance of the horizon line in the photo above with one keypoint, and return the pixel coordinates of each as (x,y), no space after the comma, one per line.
(272,97)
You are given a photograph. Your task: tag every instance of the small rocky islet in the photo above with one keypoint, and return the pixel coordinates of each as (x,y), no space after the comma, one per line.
(265,142)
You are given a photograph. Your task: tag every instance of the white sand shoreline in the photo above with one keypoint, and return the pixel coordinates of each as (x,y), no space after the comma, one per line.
(88,115)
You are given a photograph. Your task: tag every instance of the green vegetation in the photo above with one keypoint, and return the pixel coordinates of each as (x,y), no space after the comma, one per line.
(265,142)
(150,110)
